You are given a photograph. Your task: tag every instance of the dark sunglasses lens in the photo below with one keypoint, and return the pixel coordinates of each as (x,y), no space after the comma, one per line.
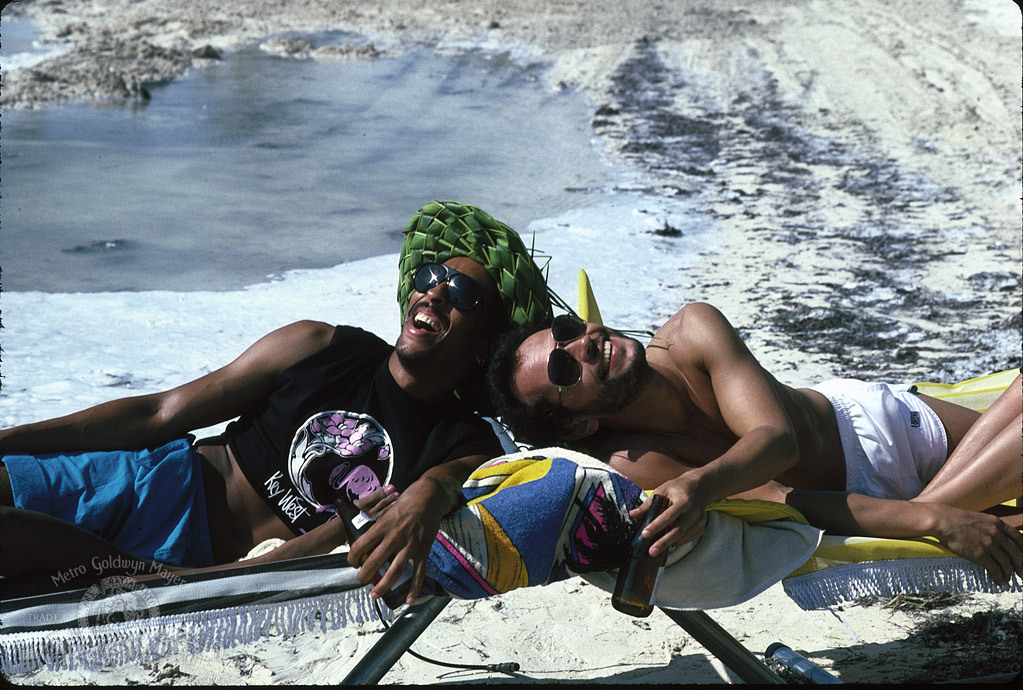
(562,369)
(428,276)
(463,291)
(566,328)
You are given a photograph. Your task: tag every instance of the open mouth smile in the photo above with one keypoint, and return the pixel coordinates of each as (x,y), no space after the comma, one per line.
(425,321)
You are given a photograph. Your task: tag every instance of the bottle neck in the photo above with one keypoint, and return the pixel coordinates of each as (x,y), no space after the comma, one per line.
(640,546)
(356,522)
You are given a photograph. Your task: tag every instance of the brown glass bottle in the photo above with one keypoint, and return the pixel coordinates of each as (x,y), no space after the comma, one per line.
(638,577)
(356,523)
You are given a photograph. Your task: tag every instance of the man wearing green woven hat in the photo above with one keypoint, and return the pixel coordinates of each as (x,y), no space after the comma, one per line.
(445,230)
(319,410)
(441,230)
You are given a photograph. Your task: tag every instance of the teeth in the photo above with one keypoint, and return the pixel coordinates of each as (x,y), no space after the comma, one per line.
(607,356)
(425,322)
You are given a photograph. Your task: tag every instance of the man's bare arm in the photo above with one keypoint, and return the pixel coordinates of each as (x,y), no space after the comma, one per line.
(746,396)
(147,420)
(978,537)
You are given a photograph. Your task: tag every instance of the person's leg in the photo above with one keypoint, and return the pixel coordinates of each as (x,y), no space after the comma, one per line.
(956,420)
(6,494)
(986,466)
(32,543)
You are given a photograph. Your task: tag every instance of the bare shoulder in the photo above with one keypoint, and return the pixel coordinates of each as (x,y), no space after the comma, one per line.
(316,333)
(691,321)
(694,331)
(250,377)
(288,344)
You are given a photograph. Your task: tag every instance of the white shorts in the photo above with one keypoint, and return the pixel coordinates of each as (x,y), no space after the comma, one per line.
(893,442)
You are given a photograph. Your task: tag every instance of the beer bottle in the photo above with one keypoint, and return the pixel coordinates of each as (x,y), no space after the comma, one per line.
(638,577)
(356,523)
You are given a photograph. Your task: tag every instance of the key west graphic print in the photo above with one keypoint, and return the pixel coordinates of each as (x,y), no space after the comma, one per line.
(338,451)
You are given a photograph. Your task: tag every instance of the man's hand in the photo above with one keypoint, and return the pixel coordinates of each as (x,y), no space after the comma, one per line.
(404,532)
(984,539)
(374,504)
(684,520)
(408,524)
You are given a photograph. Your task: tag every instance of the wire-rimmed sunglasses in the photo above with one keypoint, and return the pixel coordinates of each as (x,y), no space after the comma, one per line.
(464,293)
(564,370)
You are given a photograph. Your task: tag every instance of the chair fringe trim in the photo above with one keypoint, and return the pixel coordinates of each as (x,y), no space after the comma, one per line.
(148,640)
(847,582)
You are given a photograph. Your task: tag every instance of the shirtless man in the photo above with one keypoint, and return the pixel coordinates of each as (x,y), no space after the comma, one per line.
(696,418)
(309,392)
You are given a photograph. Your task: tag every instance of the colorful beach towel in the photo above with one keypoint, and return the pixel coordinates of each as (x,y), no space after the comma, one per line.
(532,518)
(536,517)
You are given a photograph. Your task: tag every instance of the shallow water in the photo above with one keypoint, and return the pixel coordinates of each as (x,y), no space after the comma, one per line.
(257,165)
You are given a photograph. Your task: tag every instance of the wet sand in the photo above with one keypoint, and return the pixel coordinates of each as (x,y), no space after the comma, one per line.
(863,161)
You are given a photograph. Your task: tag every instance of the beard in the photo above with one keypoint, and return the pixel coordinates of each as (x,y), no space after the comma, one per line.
(437,357)
(415,359)
(624,389)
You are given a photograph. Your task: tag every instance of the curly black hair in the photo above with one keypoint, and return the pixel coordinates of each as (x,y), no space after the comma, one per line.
(541,424)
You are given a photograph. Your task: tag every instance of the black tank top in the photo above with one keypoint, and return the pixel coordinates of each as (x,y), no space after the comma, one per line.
(341,409)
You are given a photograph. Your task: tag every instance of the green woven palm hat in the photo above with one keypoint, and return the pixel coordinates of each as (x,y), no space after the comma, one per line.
(441,230)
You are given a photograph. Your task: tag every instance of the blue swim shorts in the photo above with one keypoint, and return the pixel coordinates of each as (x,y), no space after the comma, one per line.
(148,502)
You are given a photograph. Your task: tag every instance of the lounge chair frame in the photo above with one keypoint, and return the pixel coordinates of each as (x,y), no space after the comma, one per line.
(416,618)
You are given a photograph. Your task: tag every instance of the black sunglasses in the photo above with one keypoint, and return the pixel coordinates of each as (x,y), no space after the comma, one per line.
(564,370)
(463,292)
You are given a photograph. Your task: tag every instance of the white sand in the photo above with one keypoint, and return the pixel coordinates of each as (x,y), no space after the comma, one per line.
(933,86)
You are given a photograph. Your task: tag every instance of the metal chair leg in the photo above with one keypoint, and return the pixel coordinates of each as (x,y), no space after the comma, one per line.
(395,641)
(725,647)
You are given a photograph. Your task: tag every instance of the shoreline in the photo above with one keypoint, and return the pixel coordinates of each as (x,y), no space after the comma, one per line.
(861,165)
(869,206)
